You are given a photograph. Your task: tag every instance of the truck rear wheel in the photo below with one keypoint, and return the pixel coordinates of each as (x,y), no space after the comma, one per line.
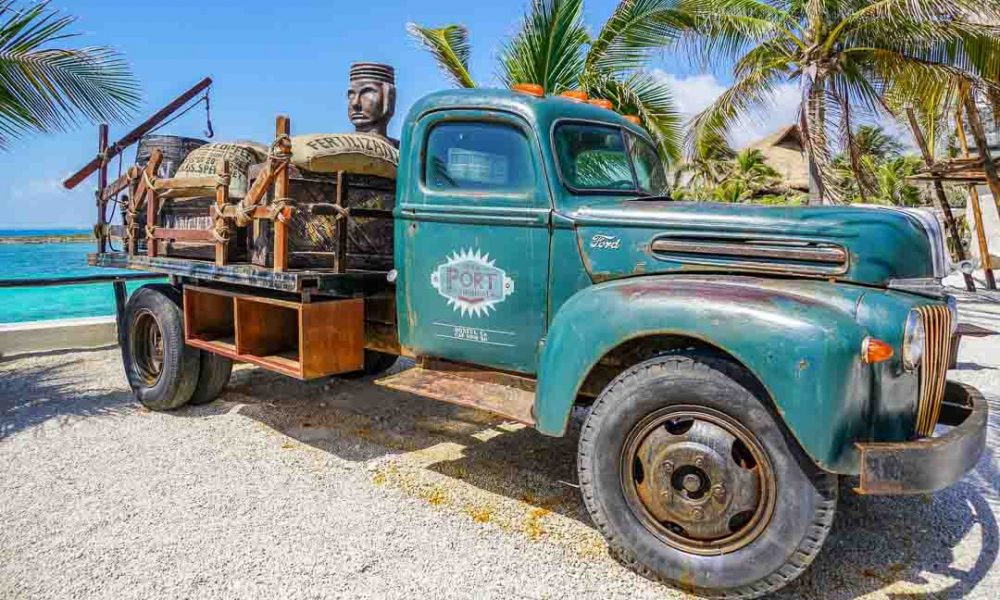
(213,375)
(161,370)
(694,482)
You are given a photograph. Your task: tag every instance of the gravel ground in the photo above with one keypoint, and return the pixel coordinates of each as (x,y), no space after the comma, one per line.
(343,489)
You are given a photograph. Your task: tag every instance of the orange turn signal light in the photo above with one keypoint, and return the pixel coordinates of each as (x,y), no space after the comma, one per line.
(578,95)
(633,119)
(601,102)
(875,351)
(532,89)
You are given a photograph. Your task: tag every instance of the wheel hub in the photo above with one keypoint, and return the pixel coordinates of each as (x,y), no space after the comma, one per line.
(698,479)
(146,346)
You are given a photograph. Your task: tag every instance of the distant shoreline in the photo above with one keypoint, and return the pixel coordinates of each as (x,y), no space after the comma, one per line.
(55,238)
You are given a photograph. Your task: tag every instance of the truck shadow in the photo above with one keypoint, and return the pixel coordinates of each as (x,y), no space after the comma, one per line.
(899,546)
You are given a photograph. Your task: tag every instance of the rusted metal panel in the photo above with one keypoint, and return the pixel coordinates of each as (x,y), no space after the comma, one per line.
(501,393)
(929,464)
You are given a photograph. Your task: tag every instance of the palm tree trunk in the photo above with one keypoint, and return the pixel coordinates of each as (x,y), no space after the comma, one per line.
(949,218)
(812,133)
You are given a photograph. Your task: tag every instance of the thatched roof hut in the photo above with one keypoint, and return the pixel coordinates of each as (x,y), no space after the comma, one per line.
(783,151)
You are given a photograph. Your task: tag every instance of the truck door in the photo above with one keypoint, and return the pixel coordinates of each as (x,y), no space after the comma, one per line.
(472,240)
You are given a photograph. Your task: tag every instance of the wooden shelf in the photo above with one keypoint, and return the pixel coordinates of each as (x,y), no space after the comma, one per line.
(302,340)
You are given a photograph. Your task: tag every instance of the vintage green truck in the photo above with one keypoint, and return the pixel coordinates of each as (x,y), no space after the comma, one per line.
(736,359)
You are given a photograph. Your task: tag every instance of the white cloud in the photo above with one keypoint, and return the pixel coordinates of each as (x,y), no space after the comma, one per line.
(693,93)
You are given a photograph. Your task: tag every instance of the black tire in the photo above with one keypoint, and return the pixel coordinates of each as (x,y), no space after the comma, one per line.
(759,555)
(161,370)
(213,376)
(376,363)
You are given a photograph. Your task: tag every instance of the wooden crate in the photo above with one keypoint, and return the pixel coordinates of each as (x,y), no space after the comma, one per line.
(312,233)
(303,340)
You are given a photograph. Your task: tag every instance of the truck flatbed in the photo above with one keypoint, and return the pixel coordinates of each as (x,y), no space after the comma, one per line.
(304,281)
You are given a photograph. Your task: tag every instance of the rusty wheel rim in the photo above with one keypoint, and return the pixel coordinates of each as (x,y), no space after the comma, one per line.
(146,347)
(698,480)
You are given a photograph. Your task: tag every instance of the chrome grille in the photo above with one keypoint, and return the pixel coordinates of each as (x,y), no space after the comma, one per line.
(934,367)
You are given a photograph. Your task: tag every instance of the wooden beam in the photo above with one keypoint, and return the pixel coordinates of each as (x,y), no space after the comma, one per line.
(942,200)
(138,195)
(182,235)
(221,199)
(340,225)
(977,211)
(119,185)
(979,134)
(136,134)
(102,182)
(152,208)
(282,131)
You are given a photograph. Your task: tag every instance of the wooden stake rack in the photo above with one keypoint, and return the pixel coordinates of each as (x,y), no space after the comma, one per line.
(147,192)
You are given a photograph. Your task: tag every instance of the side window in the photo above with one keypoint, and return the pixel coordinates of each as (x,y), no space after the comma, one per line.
(478,156)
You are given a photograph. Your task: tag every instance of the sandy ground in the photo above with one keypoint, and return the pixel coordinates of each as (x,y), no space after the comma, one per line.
(343,489)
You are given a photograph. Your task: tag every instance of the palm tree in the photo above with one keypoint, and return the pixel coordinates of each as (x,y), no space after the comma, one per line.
(844,55)
(737,177)
(45,88)
(553,49)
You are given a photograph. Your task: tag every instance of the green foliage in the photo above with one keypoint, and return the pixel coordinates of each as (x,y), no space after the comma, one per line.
(44,89)
(731,177)
(848,58)
(553,49)
(879,157)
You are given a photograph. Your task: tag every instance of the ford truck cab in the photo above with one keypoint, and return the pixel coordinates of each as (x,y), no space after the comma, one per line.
(736,358)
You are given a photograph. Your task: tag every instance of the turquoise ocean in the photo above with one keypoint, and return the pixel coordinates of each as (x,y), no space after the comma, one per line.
(28,261)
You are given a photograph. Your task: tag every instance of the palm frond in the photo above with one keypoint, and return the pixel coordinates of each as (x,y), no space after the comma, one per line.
(451,49)
(635,30)
(548,48)
(46,89)
(649,97)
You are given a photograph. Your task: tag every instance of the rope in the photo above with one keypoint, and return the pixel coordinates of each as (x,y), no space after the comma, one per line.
(278,151)
(221,232)
(208,116)
(244,215)
(222,181)
(276,209)
(150,230)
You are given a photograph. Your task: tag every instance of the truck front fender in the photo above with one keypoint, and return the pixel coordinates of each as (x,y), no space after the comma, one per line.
(798,338)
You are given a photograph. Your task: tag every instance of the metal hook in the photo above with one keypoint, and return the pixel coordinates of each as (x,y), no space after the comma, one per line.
(209,132)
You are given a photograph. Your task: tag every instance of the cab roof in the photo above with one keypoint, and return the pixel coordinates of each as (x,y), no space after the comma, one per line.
(540,112)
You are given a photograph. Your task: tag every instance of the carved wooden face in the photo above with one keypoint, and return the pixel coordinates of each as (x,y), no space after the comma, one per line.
(367,104)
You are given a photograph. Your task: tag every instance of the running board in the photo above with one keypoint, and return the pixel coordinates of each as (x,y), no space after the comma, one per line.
(510,396)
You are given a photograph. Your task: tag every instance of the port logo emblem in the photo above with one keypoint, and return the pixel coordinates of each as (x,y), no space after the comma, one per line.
(472,283)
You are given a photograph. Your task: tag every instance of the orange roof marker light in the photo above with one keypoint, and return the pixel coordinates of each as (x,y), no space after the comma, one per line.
(532,89)
(633,119)
(602,103)
(577,95)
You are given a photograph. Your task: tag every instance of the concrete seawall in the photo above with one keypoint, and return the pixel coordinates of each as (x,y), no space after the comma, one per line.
(57,334)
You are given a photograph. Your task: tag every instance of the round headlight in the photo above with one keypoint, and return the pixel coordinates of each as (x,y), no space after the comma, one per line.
(953,309)
(913,341)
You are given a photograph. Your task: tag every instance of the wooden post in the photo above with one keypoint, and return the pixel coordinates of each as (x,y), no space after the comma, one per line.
(138,194)
(979,134)
(221,199)
(102,182)
(152,207)
(282,131)
(977,211)
(340,225)
(949,218)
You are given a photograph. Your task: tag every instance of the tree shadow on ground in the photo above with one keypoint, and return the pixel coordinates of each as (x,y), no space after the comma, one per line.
(35,392)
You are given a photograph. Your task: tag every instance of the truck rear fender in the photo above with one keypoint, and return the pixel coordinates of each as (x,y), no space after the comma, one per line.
(804,351)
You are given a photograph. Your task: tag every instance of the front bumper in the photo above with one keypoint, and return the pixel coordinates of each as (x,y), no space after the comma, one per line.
(929,464)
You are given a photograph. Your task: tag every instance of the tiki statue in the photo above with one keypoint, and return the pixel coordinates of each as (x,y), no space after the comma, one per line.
(371,99)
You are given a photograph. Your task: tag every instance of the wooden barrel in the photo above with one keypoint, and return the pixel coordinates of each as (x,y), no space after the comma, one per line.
(174,148)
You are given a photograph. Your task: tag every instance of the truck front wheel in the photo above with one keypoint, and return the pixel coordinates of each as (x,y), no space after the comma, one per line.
(161,370)
(694,482)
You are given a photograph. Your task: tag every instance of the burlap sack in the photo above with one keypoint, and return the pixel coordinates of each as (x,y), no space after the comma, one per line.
(359,153)
(240,154)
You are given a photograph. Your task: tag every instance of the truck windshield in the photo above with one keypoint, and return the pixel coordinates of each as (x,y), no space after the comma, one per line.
(605,158)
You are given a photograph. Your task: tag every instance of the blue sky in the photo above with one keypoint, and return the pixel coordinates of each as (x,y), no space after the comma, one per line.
(270,57)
